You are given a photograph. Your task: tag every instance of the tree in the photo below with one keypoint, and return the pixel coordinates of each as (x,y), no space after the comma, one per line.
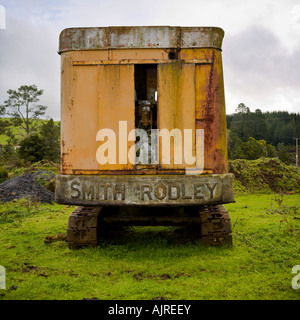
(283,154)
(253,149)
(239,123)
(3,123)
(234,146)
(242,108)
(50,135)
(269,129)
(22,106)
(31,148)
(271,151)
(258,129)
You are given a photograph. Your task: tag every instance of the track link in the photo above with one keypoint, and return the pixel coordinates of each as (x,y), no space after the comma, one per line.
(83,227)
(85,224)
(215,225)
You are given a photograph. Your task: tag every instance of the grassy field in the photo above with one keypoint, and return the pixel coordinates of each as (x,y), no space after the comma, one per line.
(17,130)
(146,263)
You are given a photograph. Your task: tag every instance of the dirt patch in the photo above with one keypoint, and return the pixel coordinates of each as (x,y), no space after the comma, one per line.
(164,276)
(141,276)
(57,237)
(160,298)
(39,271)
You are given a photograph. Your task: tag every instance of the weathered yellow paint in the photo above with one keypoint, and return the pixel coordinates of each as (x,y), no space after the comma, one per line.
(155,55)
(97,91)
(116,103)
(79,145)
(176,104)
(210,112)
(200,54)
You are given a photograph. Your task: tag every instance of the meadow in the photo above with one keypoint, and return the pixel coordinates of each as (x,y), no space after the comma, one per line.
(153,263)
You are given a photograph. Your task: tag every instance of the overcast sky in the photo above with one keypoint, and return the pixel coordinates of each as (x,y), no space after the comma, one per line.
(261,47)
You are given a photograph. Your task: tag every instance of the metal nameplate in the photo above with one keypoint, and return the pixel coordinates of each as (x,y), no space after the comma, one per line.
(144,190)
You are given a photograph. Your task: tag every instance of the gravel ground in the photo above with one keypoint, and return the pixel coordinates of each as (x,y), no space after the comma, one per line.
(26,185)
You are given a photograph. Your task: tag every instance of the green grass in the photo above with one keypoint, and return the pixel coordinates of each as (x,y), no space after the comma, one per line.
(147,262)
(18,129)
(15,130)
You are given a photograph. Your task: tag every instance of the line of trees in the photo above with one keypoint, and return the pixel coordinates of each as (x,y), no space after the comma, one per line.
(262,134)
(251,135)
(36,140)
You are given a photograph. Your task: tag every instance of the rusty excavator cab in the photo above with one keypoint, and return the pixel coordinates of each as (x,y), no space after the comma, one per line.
(143,130)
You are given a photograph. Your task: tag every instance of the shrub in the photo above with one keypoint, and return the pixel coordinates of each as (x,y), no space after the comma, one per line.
(3,174)
(31,148)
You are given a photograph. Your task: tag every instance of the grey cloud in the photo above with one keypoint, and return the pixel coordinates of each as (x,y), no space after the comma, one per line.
(257,63)
(29,56)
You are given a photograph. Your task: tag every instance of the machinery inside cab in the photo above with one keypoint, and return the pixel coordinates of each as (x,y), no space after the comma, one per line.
(146,96)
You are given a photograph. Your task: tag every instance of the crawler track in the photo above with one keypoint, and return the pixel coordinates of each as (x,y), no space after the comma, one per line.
(215,225)
(85,224)
(83,227)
